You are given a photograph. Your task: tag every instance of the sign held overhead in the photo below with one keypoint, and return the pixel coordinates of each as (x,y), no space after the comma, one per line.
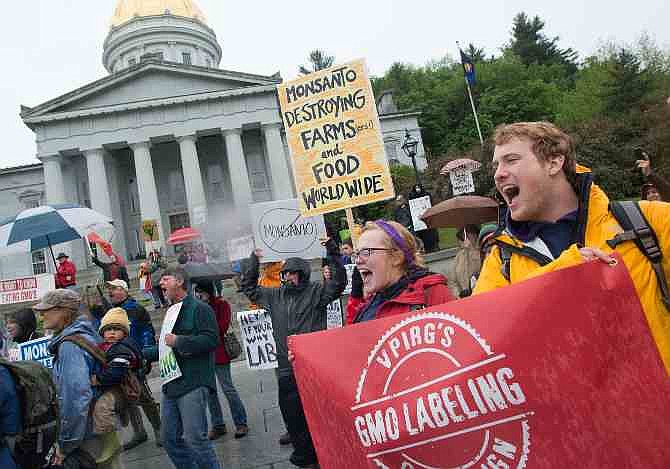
(335,140)
(281,231)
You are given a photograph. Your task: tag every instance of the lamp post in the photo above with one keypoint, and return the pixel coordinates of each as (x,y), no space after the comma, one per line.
(409,146)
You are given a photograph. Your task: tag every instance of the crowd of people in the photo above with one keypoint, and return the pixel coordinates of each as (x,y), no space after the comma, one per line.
(555,217)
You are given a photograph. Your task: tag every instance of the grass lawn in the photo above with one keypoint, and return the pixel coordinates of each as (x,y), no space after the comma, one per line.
(447,237)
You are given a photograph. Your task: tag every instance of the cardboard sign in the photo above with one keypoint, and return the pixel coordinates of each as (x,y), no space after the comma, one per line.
(281,231)
(335,139)
(334,314)
(240,248)
(150,230)
(350,272)
(37,351)
(19,290)
(461,181)
(555,372)
(417,207)
(167,361)
(259,341)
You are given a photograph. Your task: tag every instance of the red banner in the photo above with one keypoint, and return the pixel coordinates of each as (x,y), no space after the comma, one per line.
(559,371)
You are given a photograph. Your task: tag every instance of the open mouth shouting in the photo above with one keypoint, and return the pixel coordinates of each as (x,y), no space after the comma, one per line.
(510,193)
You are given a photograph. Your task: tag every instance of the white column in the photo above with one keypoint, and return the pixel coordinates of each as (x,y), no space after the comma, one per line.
(146,186)
(195,190)
(239,176)
(53,179)
(279,170)
(97,181)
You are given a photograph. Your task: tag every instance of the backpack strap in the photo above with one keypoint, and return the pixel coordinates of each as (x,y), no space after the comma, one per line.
(94,351)
(506,251)
(637,229)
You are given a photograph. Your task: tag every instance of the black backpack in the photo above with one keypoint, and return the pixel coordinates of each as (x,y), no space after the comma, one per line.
(39,412)
(636,228)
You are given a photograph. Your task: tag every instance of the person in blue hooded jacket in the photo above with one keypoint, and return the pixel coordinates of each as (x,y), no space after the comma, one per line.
(72,371)
(10,417)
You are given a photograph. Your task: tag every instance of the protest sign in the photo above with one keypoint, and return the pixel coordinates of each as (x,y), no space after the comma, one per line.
(461,181)
(167,362)
(37,351)
(350,272)
(259,342)
(281,231)
(417,207)
(558,371)
(150,230)
(19,290)
(335,140)
(334,314)
(240,248)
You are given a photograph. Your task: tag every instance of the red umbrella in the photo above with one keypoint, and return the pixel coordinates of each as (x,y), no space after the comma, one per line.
(465,163)
(184,235)
(460,211)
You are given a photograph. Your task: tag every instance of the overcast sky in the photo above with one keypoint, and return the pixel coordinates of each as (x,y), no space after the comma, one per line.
(50,47)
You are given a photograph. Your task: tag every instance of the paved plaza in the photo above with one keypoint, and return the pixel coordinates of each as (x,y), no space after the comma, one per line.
(259,449)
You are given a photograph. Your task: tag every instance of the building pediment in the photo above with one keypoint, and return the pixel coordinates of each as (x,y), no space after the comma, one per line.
(144,84)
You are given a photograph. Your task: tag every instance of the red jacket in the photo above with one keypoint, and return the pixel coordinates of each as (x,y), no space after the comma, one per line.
(430,290)
(66,274)
(222,312)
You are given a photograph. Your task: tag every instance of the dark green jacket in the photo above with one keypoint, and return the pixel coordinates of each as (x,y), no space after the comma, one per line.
(198,337)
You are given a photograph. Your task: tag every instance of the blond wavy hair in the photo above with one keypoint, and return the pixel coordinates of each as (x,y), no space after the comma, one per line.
(406,236)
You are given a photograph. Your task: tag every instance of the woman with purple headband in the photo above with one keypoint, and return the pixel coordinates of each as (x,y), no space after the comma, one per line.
(394,277)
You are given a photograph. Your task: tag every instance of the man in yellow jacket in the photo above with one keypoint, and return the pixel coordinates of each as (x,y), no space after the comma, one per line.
(557,217)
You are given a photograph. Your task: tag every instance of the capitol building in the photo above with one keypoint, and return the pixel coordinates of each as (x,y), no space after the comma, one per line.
(168,135)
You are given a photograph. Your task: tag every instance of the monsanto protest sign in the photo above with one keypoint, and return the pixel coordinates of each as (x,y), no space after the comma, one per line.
(334,314)
(462,181)
(37,351)
(19,290)
(259,342)
(282,232)
(240,248)
(559,371)
(335,140)
(167,361)
(417,207)
(350,275)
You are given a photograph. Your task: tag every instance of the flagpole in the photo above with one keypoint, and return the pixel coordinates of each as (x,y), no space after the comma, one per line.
(474,111)
(472,103)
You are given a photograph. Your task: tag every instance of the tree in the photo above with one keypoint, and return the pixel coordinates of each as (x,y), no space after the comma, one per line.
(627,85)
(477,54)
(533,47)
(319,60)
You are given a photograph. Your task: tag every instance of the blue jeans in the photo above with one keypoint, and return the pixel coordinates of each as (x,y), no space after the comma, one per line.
(184,431)
(234,402)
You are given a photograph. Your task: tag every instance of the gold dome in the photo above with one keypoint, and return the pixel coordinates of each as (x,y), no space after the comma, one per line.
(129,9)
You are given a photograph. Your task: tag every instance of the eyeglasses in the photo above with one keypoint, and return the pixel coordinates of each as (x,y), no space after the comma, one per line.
(365,253)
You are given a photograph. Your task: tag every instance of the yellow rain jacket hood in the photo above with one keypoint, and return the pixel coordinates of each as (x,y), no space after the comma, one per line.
(597,225)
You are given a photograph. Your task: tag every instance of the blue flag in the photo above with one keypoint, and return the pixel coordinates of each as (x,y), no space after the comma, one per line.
(468,68)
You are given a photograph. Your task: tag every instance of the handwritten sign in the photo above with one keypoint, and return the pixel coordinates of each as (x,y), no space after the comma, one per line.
(19,290)
(350,272)
(334,314)
(335,140)
(150,230)
(240,248)
(37,351)
(461,181)
(258,337)
(417,207)
(281,231)
(167,361)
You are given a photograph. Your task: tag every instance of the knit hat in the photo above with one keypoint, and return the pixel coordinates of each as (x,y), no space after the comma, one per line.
(115,317)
